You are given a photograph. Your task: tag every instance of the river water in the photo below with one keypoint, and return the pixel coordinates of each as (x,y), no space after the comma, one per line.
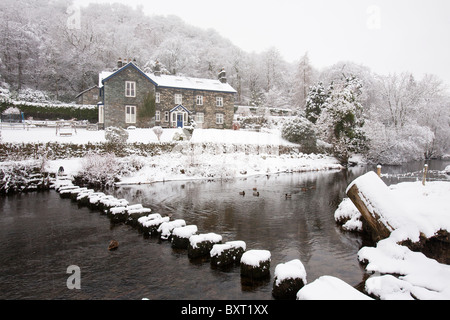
(41,235)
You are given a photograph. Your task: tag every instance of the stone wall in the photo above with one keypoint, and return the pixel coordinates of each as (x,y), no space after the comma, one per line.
(189,101)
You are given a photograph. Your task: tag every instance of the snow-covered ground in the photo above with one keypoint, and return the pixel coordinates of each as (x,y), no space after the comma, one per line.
(258,154)
(81,136)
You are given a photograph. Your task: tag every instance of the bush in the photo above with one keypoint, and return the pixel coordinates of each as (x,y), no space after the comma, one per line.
(115,135)
(158,132)
(99,170)
(301,131)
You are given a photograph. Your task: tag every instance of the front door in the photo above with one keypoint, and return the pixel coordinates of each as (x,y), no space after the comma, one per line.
(179,120)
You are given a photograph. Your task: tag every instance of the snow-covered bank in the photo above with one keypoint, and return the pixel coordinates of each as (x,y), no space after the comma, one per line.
(194,164)
(210,154)
(425,212)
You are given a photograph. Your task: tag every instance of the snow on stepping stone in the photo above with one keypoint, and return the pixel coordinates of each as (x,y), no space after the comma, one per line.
(118,214)
(330,288)
(200,245)
(135,212)
(166,228)
(255,264)
(64,192)
(181,235)
(227,254)
(94,199)
(144,219)
(151,223)
(290,277)
(112,203)
(83,197)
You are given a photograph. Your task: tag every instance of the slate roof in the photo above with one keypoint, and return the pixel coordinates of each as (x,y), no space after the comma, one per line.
(170,81)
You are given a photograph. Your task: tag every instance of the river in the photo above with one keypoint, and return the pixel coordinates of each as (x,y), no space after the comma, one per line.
(42,235)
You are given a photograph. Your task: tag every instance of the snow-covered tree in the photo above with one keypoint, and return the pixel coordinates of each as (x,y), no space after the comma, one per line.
(315,100)
(301,131)
(340,122)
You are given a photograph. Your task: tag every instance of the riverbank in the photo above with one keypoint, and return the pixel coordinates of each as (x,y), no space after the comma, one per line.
(209,154)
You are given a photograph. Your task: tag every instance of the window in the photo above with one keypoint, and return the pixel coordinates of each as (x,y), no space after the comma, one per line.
(219,118)
(130,89)
(199,100)
(166,116)
(130,114)
(200,117)
(178,99)
(219,102)
(158,116)
(158,97)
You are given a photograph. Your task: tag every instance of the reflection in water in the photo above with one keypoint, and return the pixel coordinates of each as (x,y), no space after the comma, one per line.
(299,227)
(41,235)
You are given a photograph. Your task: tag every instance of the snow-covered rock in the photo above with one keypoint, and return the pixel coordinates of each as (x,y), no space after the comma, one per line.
(255,264)
(201,244)
(181,235)
(330,288)
(228,253)
(166,228)
(289,278)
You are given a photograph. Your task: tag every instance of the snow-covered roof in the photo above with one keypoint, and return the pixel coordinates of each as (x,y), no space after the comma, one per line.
(86,90)
(170,81)
(102,76)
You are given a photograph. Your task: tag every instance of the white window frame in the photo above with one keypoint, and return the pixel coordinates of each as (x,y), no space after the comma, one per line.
(219,118)
(178,98)
(130,89)
(166,116)
(200,117)
(157,97)
(199,100)
(101,113)
(130,114)
(158,115)
(219,101)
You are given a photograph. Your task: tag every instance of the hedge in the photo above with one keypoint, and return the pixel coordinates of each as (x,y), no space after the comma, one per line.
(52,112)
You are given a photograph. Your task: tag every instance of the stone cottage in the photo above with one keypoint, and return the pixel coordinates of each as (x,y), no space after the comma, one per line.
(178,99)
(89,96)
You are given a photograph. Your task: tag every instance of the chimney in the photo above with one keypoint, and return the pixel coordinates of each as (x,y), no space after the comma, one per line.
(222,76)
(119,63)
(157,69)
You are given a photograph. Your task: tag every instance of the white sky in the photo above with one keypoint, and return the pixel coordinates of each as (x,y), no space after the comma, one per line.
(386,35)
